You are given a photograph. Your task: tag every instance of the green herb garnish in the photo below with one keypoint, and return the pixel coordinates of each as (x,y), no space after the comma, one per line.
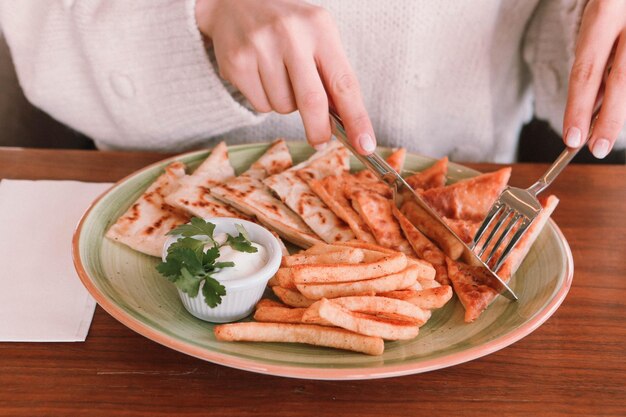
(242,241)
(188,264)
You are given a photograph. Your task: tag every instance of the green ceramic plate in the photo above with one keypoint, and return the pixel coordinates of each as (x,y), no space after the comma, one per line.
(127,286)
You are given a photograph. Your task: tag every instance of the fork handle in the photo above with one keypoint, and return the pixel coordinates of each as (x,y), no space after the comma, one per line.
(373,161)
(562,161)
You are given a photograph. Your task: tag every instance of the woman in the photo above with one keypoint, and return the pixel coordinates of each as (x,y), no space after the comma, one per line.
(438,77)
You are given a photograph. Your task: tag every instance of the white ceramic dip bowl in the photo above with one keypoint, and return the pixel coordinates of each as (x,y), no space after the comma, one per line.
(241,293)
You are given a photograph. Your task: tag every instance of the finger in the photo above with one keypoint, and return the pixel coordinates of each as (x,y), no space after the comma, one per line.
(277,85)
(597,37)
(613,114)
(310,98)
(344,91)
(241,70)
(249,84)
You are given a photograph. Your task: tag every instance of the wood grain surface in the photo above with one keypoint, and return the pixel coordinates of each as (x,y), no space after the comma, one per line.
(573,365)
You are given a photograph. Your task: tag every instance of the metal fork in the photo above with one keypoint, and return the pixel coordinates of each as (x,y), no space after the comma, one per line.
(516,209)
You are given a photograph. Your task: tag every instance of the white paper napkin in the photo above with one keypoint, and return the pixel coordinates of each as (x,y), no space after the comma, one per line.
(41,296)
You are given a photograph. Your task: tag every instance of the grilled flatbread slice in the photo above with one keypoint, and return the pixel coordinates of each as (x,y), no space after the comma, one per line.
(334,191)
(465,229)
(468,199)
(395,160)
(423,247)
(362,182)
(474,286)
(194,194)
(432,229)
(331,191)
(376,211)
(514,260)
(251,196)
(294,191)
(432,177)
(144,225)
(275,160)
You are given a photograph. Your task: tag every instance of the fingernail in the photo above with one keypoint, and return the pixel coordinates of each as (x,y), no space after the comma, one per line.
(320,146)
(573,138)
(367,143)
(601,148)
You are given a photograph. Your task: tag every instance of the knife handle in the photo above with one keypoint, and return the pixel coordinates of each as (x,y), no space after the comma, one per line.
(374,162)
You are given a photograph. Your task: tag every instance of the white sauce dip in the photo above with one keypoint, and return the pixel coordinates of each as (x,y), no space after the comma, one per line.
(246,263)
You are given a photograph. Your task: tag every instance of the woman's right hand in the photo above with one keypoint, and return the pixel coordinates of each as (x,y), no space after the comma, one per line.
(286,55)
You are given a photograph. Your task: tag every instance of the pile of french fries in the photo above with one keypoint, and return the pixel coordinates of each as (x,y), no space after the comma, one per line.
(349,295)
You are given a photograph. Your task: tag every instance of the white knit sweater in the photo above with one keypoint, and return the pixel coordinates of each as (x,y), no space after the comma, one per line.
(440,77)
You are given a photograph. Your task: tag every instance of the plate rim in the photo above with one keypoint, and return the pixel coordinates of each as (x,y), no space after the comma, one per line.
(360,373)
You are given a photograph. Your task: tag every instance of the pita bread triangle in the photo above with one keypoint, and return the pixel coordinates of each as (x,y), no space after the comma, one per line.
(144,225)
(376,211)
(432,177)
(294,191)
(250,195)
(194,194)
(274,160)
(465,229)
(474,286)
(423,247)
(468,199)
(333,191)
(396,160)
(519,252)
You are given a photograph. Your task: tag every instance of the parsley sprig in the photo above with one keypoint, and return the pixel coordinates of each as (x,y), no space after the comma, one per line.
(188,264)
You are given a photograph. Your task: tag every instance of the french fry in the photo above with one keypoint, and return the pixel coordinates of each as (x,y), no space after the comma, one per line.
(427,271)
(284,278)
(343,256)
(366,245)
(430,298)
(266,302)
(274,312)
(291,297)
(299,333)
(279,314)
(397,281)
(427,283)
(322,248)
(372,251)
(319,273)
(311,314)
(366,324)
(416,286)
(386,307)
(441,274)
(370,256)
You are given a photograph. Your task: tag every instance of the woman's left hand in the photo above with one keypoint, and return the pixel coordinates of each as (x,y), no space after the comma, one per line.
(601,46)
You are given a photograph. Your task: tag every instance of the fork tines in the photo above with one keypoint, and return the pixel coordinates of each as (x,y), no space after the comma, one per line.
(508,227)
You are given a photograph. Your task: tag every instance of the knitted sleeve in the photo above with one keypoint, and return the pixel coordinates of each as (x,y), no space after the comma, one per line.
(549,47)
(130,74)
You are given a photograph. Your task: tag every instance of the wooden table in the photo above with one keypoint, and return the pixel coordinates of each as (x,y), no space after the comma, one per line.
(573,365)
